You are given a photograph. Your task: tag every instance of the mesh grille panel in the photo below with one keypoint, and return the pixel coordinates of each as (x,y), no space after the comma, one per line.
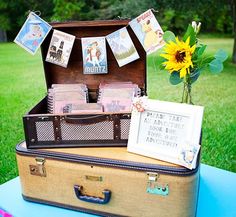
(45,131)
(124,127)
(98,131)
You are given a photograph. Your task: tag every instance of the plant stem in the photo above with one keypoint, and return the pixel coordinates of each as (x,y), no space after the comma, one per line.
(186,96)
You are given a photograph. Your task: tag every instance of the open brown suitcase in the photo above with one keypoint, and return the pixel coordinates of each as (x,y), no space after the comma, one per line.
(44,130)
(107,181)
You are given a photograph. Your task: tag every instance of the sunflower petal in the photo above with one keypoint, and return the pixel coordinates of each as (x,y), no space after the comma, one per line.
(188,40)
(183,73)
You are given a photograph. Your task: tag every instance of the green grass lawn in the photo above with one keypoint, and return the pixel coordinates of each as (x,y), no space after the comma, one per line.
(22,85)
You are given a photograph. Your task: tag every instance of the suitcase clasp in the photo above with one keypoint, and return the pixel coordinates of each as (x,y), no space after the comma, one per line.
(38,169)
(153,187)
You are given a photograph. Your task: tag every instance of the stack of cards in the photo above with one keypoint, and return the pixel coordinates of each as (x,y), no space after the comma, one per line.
(73,98)
(88,108)
(61,95)
(118,96)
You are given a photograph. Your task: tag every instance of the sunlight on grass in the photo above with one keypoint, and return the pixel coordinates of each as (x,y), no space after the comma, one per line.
(22,86)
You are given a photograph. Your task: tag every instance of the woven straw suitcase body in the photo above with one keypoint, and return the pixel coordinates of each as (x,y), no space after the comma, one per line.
(107,181)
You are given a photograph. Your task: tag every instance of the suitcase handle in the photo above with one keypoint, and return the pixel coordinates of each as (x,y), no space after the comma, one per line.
(86,119)
(91,199)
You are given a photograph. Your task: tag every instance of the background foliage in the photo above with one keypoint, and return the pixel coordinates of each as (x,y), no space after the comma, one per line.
(216,15)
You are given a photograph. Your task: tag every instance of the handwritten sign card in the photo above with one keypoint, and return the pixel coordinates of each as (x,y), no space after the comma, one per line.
(167,131)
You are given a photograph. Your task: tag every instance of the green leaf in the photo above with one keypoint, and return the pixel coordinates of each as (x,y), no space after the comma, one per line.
(169,36)
(221,55)
(216,66)
(174,78)
(201,50)
(160,61)
(161,67)
(195,75)
(190,33)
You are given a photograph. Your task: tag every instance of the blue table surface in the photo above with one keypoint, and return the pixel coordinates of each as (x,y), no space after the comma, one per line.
(217,197)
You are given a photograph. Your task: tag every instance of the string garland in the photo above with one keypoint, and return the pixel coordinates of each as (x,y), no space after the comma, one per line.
(119,17)
(149,35)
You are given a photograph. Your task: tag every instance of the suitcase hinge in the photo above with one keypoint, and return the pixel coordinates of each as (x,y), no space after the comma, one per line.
(153,187)
(38,169)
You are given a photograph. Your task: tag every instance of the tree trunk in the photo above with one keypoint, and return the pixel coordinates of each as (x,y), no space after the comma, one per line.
(3,35)
(234,30)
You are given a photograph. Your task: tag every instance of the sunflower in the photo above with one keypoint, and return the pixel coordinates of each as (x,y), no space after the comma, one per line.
(179,56)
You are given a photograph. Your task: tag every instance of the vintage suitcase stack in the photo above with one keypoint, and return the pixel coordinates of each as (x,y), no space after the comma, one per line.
(104,179)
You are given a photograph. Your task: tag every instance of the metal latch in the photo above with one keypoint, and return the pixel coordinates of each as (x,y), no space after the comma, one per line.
(38,169)
(153,187)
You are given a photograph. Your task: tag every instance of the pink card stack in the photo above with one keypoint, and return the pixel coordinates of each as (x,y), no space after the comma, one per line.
(60,95)
(117,96)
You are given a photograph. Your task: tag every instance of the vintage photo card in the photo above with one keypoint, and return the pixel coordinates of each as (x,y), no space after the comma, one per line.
(60,48)
(166,131)
(32,33)
(94,55)
(148,31)
(122,47)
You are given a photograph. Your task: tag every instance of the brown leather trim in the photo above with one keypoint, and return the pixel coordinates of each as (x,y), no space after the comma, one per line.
(80,209)
(26,132)
(74,143)
(116,127)
(30,130)
(57,128)
(85,119)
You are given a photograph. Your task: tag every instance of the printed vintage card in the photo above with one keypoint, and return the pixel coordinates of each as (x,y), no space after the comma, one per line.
(60,48)
(122,46)
(32,33)
(94,55)
(148,31)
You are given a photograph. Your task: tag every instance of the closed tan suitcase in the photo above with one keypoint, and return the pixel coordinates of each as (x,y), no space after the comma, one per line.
(107,181)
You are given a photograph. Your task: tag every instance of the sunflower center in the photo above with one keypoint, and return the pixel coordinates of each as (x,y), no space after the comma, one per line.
(179,56)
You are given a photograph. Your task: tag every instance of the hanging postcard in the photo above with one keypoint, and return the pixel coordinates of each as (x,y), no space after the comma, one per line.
(94,55)
(148,31)
(122,47)
(60,48)
(32,33)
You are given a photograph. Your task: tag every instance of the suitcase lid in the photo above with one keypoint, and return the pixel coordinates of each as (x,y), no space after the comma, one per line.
(134,71)
(117,157)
